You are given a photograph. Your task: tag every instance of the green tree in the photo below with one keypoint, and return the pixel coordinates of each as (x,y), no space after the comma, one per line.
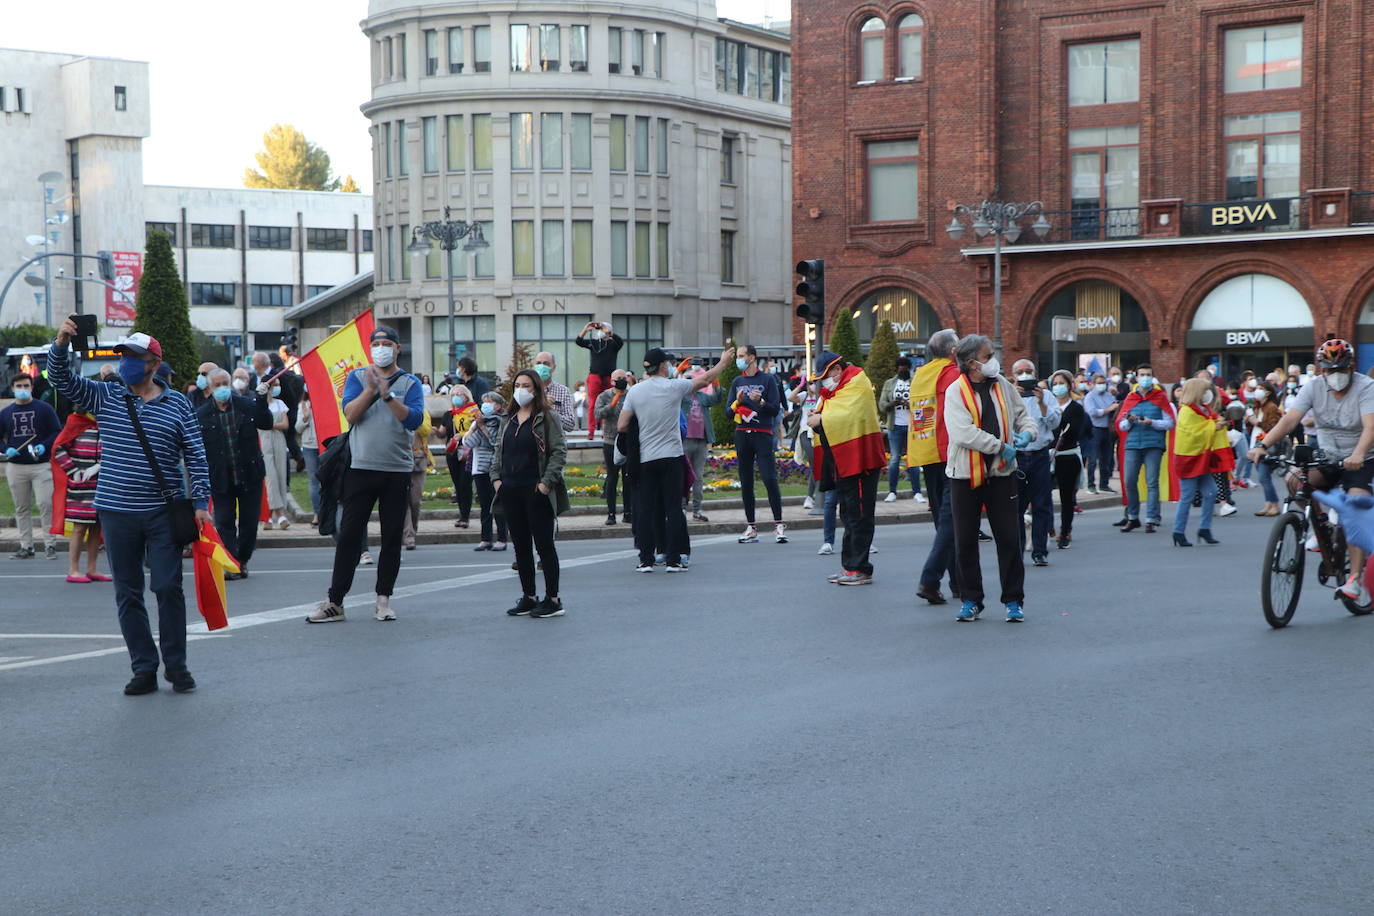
(350,186)
(882,356)
(520,358)
(844,339)
(211,349)
(163,311)
(721,416)
(26,335)
(288,160)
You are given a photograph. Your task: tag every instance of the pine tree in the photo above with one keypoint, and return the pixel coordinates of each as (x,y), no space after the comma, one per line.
(721,417)
(844,339)
(882,356)
(350,186)
(520,358)
(163,312)
(288,160)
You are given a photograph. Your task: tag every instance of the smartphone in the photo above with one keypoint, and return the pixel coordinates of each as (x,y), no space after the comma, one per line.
(86,330)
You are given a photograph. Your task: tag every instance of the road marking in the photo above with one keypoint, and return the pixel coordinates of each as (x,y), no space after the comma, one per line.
(60,636)
(283,572)
(13,658)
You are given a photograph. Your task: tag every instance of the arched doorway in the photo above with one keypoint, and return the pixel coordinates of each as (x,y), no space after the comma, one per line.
(913,318)
(1110,329)
(1254,321)
(1364,337)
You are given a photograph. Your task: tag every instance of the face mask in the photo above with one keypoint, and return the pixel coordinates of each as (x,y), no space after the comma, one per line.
(1261,394)
(830,383)
(23,395)
(672,372)
(459,400)
(240,384)
(992,368)
(741,364)
(1025,377)
(1338,381)
(383,355)
(1292,386)
(276,391)
(1207,397)
(488,409)
(621,384)
(1100,387)
(1060,390)
(222,393)
(544,372)
(132,370)
(1082,387)
(904,374)
(202,382)
(596,335)
(523,396)
(1116,380)
(1145,381)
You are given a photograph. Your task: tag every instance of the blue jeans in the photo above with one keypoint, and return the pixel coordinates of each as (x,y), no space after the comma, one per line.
(1149,459)
(896,447)
(1187,488)
(1243,463)
(312,467)
(941,557)
(1266,479)
(832,502)
(1035,483)
(128,536)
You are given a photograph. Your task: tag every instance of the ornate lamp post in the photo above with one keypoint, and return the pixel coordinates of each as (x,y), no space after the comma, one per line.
(448,233)
(1003,220)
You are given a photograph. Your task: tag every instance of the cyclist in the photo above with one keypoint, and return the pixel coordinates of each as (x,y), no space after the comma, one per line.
(1342,405)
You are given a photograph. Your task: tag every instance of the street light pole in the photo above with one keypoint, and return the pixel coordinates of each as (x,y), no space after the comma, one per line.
(448,233)
(46,180)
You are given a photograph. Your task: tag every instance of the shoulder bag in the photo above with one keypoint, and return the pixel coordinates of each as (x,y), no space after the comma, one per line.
(180,510)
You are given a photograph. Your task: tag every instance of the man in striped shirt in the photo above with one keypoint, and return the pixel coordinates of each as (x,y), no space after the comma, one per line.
(134,515)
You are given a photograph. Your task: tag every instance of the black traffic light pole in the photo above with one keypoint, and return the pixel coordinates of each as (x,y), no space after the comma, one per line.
(812,290)
(104,257)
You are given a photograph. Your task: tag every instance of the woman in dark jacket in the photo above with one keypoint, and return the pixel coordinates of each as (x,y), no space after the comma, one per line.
(1068,456)
(527,474)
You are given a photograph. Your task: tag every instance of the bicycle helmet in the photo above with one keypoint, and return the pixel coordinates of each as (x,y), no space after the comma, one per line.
(1335,354)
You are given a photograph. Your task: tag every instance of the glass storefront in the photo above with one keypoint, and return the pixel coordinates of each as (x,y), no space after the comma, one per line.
(1255,322)
(1109,326)
(556,334)
(913,318)
(476,335)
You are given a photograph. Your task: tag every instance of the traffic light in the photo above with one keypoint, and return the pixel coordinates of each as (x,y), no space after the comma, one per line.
(812,290)
(106,261)
(291,339)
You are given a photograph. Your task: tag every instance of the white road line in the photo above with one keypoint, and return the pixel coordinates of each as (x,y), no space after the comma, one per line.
(60,636)
(280,572)
(13,658)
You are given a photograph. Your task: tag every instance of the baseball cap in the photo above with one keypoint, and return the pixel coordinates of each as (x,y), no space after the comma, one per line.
(139,344)
(824,360)
(656,356)
(385,332)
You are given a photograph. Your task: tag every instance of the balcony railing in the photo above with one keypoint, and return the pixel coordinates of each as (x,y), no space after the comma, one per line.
(1362,208)
(1225,217)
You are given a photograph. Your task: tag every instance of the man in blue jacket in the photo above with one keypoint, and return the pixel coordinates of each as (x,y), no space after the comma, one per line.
(754,401)
(1145,419)
(27,430)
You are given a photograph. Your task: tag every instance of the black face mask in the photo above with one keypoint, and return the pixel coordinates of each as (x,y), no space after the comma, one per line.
(903,374)
(621,384)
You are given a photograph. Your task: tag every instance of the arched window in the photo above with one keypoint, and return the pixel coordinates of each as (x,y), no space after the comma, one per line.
(872,49)
(913,318)
(910,46)
(1252,301)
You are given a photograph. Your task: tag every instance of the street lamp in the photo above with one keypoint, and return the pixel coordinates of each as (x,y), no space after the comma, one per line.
(1001,220)
(448,233)
(46,180)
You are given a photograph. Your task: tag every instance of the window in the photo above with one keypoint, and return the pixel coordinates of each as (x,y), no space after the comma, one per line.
(662,146)
(663,262)
(727,160)
(1263,153)
(476,338)
(1104,73)
(456,142)
(209,235)
(643,250)
(768,75)
(431,52)
(641,334)
(429,144)
(727,256)
(458,261)
(872,49)
(455,49)
(613,49)
(522,247)
(891,180)
(577,48)
(549,42)
(556,333)
(620,244)
(481,143)
(390,253)
(753,60)
(522,140)
(388,61)
(434,259)
(520,48)
(167,229)
(402,154)
(581,141)
(314,290)
(401,55)
(642,145)
(271,294)
(121,98)
(551,141)
(617,143)
(910,46)
(277,238)
(552,237)
(402,255)
(784,80)
(386,142)
(1105,176)
(582,248)
(212,294)
(1269,57)
(481,49)
(637,52)
(367,240)
(484,259)
(326,239)
(659,39)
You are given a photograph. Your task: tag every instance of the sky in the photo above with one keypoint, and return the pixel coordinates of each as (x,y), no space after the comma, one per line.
(222,74)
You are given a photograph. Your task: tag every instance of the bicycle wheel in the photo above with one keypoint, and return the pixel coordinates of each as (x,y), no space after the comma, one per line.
(1338,549)
(1281,575)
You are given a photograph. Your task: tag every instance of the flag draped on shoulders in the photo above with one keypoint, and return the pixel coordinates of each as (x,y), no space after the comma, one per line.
(1199,446)
(849,417)
(922,436)
(1168,473)
(212,561)
(326,368)
(978,463)
(77,423)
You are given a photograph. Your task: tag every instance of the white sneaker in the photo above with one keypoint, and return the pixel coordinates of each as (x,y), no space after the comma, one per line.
(891,497)
(780,533)
(365,559)
(808,503)
(872,550)
(326,612)
(283,523)
(1226,509)
(825,551)
(383,610)
(750,536)
(1354,588)
(919,497)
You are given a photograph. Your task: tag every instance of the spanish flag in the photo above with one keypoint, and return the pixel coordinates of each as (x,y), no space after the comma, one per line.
(1199,446)
(77,423)
(1168,475)
(922,438)
(326,368)
(849,417)
(212,561)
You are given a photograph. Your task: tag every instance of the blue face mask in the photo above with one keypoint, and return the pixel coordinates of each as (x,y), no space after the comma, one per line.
(488,409)
(132,370)
(543,371)
(222,393)
(276,391)
(459,400)
(741,364)
(202,382)
(23,395)
(1060,390)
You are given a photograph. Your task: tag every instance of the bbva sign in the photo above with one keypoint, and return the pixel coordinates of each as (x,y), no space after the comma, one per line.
(1246,338)
(1096,323)
(1258,213)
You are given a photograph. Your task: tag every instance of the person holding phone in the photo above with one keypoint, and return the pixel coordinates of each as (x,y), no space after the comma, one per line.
(603,346)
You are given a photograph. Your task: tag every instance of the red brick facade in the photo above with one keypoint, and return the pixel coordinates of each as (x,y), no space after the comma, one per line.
(991,107)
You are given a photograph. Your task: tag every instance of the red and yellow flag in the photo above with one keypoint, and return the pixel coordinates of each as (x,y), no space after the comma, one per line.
(212,561)
(1168,470)
(326,368)
(849,416)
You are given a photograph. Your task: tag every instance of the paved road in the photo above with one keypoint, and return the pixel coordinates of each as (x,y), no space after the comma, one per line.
(741,739)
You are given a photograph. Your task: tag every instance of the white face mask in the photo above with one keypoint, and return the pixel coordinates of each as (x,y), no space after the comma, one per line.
(523,396)
(383,355)
(1338,381)
(240,384)
(1207,397)
(1116,380)
(830,383)
(1022,376)
(992,368)
(1100,386)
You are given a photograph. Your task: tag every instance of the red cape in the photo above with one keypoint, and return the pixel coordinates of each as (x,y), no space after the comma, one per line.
(77,423)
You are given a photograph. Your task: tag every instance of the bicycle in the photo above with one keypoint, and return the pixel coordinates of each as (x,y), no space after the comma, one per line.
(1285,556)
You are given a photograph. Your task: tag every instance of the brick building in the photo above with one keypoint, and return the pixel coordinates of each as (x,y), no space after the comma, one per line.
(1207,170)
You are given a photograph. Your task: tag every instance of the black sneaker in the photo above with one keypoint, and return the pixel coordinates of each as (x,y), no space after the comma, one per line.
(549,607)
(610,519)
(141,683)
(523,606)
(180,679)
